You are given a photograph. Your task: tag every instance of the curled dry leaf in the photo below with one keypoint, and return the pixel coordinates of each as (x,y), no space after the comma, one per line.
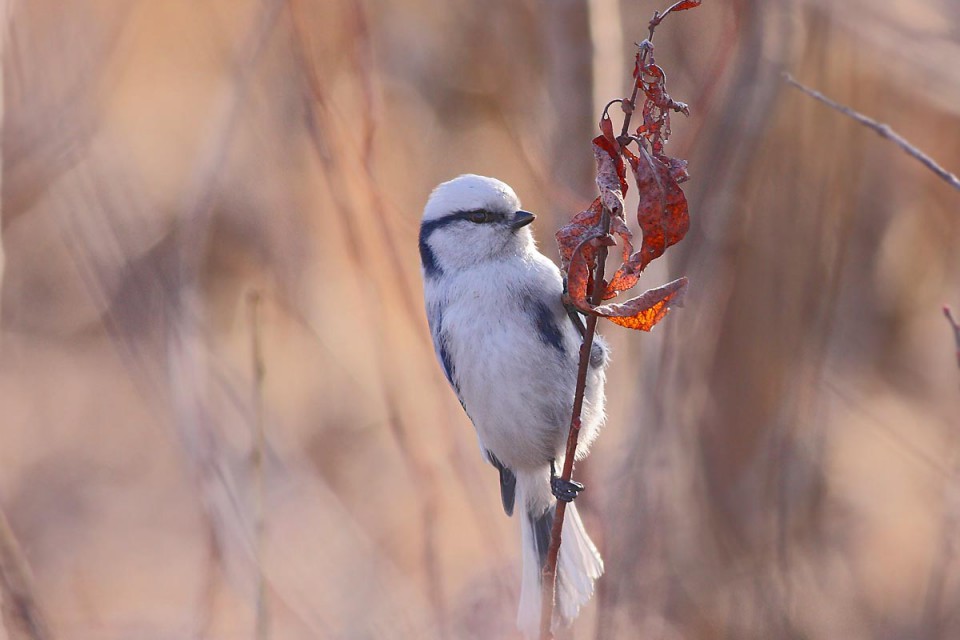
(606,127)
(647,309)
(619,227)
(612,182)
(657,104)
(611,173)
(571,235)
(581,265)
(663,215)
(642,312)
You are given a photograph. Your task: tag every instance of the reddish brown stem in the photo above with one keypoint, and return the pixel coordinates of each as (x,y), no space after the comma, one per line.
(630,106)
(658,17)
(549,577)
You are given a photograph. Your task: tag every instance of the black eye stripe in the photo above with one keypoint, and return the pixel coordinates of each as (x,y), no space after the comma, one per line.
(427,229)
(478,216)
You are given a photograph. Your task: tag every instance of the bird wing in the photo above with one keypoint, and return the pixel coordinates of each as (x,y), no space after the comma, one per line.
(443,354)
(508,482)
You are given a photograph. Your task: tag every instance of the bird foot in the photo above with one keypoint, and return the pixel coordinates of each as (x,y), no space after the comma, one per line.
(566,490)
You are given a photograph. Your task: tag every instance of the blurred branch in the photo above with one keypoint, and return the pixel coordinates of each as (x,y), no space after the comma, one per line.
(956,330)
(21,615)
(322,119)
(933,619)
(883,130)
(259,371)
(202,192)
(606,38)
(569,50)
(214,466)
(4,26)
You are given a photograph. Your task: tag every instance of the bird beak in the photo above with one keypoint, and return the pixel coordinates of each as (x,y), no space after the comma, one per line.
(521,219)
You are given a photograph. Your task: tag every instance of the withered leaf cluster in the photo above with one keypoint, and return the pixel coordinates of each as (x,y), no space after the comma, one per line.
(662,213)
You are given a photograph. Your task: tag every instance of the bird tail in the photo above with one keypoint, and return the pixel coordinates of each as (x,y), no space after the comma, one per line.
(578,566)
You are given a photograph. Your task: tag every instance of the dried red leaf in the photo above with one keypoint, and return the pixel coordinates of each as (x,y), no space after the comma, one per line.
(612,182)
(647,309)
(581,266)
(624,279)
(606,127)
(572,234)
(677,169)
(611,177)
(611,170)
(619,227)
(663,214)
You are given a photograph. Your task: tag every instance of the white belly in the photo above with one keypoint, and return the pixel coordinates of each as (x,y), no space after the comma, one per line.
(516,385)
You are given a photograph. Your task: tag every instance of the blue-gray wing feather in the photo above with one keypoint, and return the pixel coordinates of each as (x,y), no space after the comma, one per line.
(443,353)
(508,483)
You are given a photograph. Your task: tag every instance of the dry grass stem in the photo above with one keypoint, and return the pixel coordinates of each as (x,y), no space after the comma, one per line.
(883,130)
(21,614)
(262,621)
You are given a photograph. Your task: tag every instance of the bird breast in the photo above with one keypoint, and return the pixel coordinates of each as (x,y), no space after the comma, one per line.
(513,353)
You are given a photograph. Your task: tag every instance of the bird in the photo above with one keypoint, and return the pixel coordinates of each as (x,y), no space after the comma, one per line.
(509,348)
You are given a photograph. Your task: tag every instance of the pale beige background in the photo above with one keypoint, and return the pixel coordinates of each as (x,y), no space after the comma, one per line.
(781,455)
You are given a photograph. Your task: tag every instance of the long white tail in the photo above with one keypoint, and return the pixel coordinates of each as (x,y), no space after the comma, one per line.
(578,566)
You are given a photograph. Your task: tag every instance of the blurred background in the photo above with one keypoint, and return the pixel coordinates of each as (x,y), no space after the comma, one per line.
(195,192)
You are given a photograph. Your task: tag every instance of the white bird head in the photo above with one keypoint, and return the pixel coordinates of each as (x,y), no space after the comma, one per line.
(469,220)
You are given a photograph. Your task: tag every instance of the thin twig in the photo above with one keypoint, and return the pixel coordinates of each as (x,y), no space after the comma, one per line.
(956,330)
(658,17)
(187,367)
(20,614)
(262,620)
(933,617)
(322,117)
(4,24)
(606,108)
(883,130)
(548,596)
(549,577)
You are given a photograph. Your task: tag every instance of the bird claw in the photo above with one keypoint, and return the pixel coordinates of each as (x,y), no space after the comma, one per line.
(565,490)
(572,311)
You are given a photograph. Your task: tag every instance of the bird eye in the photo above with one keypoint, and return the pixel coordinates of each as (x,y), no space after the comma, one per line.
(480,217)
